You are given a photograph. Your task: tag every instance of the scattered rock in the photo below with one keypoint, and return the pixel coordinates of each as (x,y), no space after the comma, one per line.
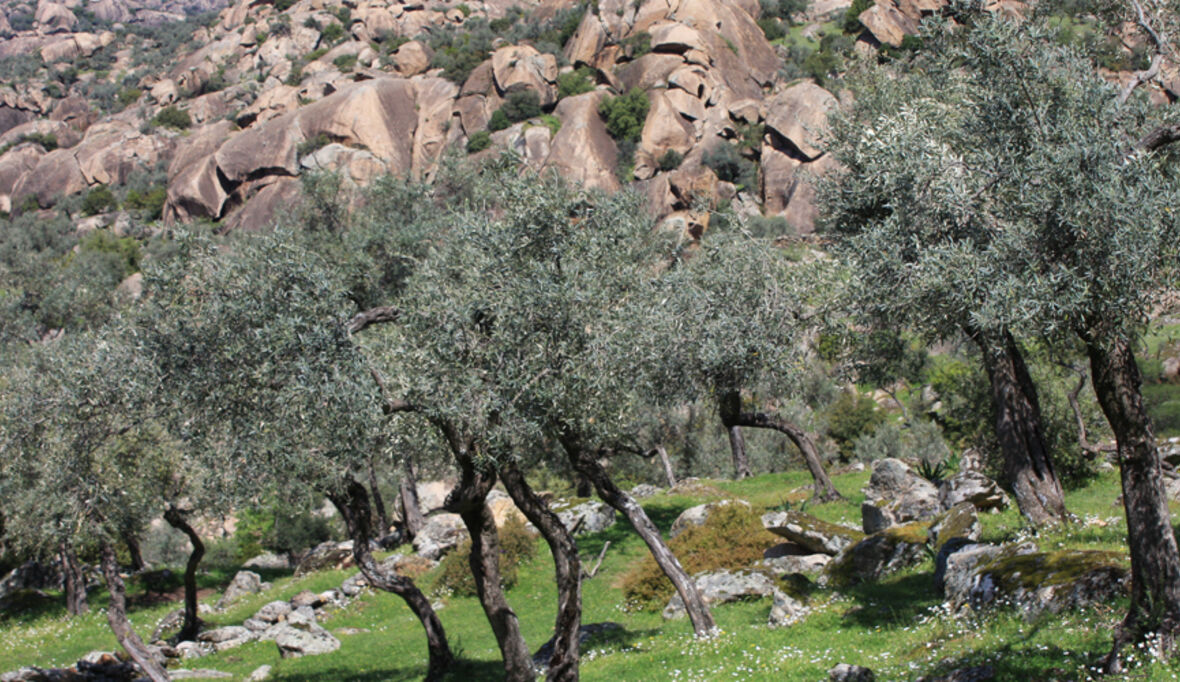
(344,632)
(244,583)
(1038,582)
(698,515)
(973,487)
(814,534)
(187,650)
(585,633)
(879,554)
(960,521)
(302,616)
(269,561)
(644,491)
(305,598)
(786,610)
(722,587)
(326,556)
(896,495)
(306,640)
(587,517)
(274,611)
(354,585)
(227,637)
(846,672)
(260,673)
(440,534)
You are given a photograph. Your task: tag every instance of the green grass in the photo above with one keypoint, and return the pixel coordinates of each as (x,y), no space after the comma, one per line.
(897,627)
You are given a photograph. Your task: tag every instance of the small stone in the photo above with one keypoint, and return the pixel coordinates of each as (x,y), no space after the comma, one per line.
(295,642)
(274,611)
(698,515)
(260,673)
(304,615)
(245,582)
(354,585)
(255,625)
(846,672)
(785,611)
(587,517)
(305,598)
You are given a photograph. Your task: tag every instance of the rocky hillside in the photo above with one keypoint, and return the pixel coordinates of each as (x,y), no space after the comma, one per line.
(219,114)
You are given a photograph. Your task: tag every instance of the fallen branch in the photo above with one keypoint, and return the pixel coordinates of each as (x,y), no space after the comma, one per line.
(594,571)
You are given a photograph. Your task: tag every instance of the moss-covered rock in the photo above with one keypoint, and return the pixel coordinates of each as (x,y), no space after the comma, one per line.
(879,554)
(1042,581)
(960,521)
(815,534)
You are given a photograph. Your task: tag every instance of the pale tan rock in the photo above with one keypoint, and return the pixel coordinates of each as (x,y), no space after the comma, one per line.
(13,164)
(194,189)
(164,91)
(739,30)
(277,195)
(673,36)
(270,104)
(62,50)
(66,135)
(378,115)
(357,165)
(583,152)
(693,80)
(664,129)
(411,59)
(473,113)
(521,67)
(800,114)
(536,145)
(788,187)
(208,107)
(887,23)
(435,101)
(112,149)
(648,71)
(587,42)
(56,174)
(52,18)
(480,82)
(686,105)
(263,149)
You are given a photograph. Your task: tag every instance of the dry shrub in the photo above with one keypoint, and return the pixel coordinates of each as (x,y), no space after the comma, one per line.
(731,538)
(517,545)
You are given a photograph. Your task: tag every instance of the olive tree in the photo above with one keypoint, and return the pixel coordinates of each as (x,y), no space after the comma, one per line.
(80,456)
(1008,175)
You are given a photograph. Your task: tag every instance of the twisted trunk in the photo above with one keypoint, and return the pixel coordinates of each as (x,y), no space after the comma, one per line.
(1028,468)
(729,406)
(378,501)
(1155,561)
(353,504)
(117,618)
(192,623)
(468,500)
(408,499)
(563,665)
(134,551)
(73,581)
(733,417)
(585,463)
(666,462)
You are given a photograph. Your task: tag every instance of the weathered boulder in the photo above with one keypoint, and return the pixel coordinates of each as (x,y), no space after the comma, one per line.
(13,165)
(440,534)
(960,521)
(434,100)
(698,515)
(895,495)
(227,637)
(1035,582)
(644,491)
(305,598)
(816,535)
(879,554)
(354,585)
(326,556)
(269,561)
(972,486)
(846,672)
(785,610)
(583,152)
(887,23)
(305,640)
(243,583)
(800,115)
(411,58)
(587,42)
(722,587)
(521,67)
(788,558)
(55,174)
(302,616)
(53,18)
(264,199)
(664,129)
(586,517)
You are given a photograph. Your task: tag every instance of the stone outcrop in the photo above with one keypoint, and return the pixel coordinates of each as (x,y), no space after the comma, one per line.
(895,494)
(805,530)
(586,517)
(440,534)
(971,486)
(879,554)
(243,583)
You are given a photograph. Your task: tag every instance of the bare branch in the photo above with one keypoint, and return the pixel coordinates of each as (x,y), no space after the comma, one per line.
(376,315)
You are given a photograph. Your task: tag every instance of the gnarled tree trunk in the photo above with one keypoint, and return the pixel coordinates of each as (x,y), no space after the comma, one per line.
(468,500)
(1028,468)
(133,550)
(378,501)
(117,618)
(192,623)
(563,665)
(585,463)
(1155,561)
(666,463)
(729,406)
(408,499)
(733,418)
(73,581)
(352,501)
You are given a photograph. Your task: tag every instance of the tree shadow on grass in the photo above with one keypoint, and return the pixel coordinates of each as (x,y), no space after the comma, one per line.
(896,603)
(460,671)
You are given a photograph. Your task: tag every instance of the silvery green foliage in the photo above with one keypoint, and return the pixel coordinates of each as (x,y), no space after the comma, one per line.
(258,365)
(994,182)
(83,460)
(507,326)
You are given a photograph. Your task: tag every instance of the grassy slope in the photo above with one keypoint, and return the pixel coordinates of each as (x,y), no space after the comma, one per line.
(896,627)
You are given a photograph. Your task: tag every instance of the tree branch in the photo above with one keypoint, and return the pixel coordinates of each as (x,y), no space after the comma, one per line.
(371,316)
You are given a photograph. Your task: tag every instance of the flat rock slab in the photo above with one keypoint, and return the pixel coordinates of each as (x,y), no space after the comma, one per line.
(816,535)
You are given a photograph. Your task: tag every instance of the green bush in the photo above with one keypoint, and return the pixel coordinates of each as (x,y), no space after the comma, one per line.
(772,28)
(345,62)
(172,117)
(284,5)
(312,145)
(671,160)
(573,83)
(727,162)
(332,33)
(851,23)
(521,106)
(624,115)
(517,546)
(122,253)
(99,200)
(479,142)
(150,202)
(637,45)
(129,96)
(769,227)
(499,120)
(551,122)
(731,538)
(849,417)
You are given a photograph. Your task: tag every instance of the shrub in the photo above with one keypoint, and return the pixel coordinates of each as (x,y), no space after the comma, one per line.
(343,13)
(769,227)
(345,62)
(464,8)
(851,416)
(730,166)
(772,28)
(521,105)
(48,141)
(129,96)
(479,142)
(551,122)
(573,83)
(517,546)
(99,200)
(312,23)
(731,538)
(284,5)
(784,9)
(499,120)
(637,45)
(121,255)
(150,202)
(312,144)
(21,21)
(671,160)
(851,23)
(172,117)
(625,115)
(332,33)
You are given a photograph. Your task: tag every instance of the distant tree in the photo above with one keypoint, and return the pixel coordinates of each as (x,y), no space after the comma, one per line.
(1015,178)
